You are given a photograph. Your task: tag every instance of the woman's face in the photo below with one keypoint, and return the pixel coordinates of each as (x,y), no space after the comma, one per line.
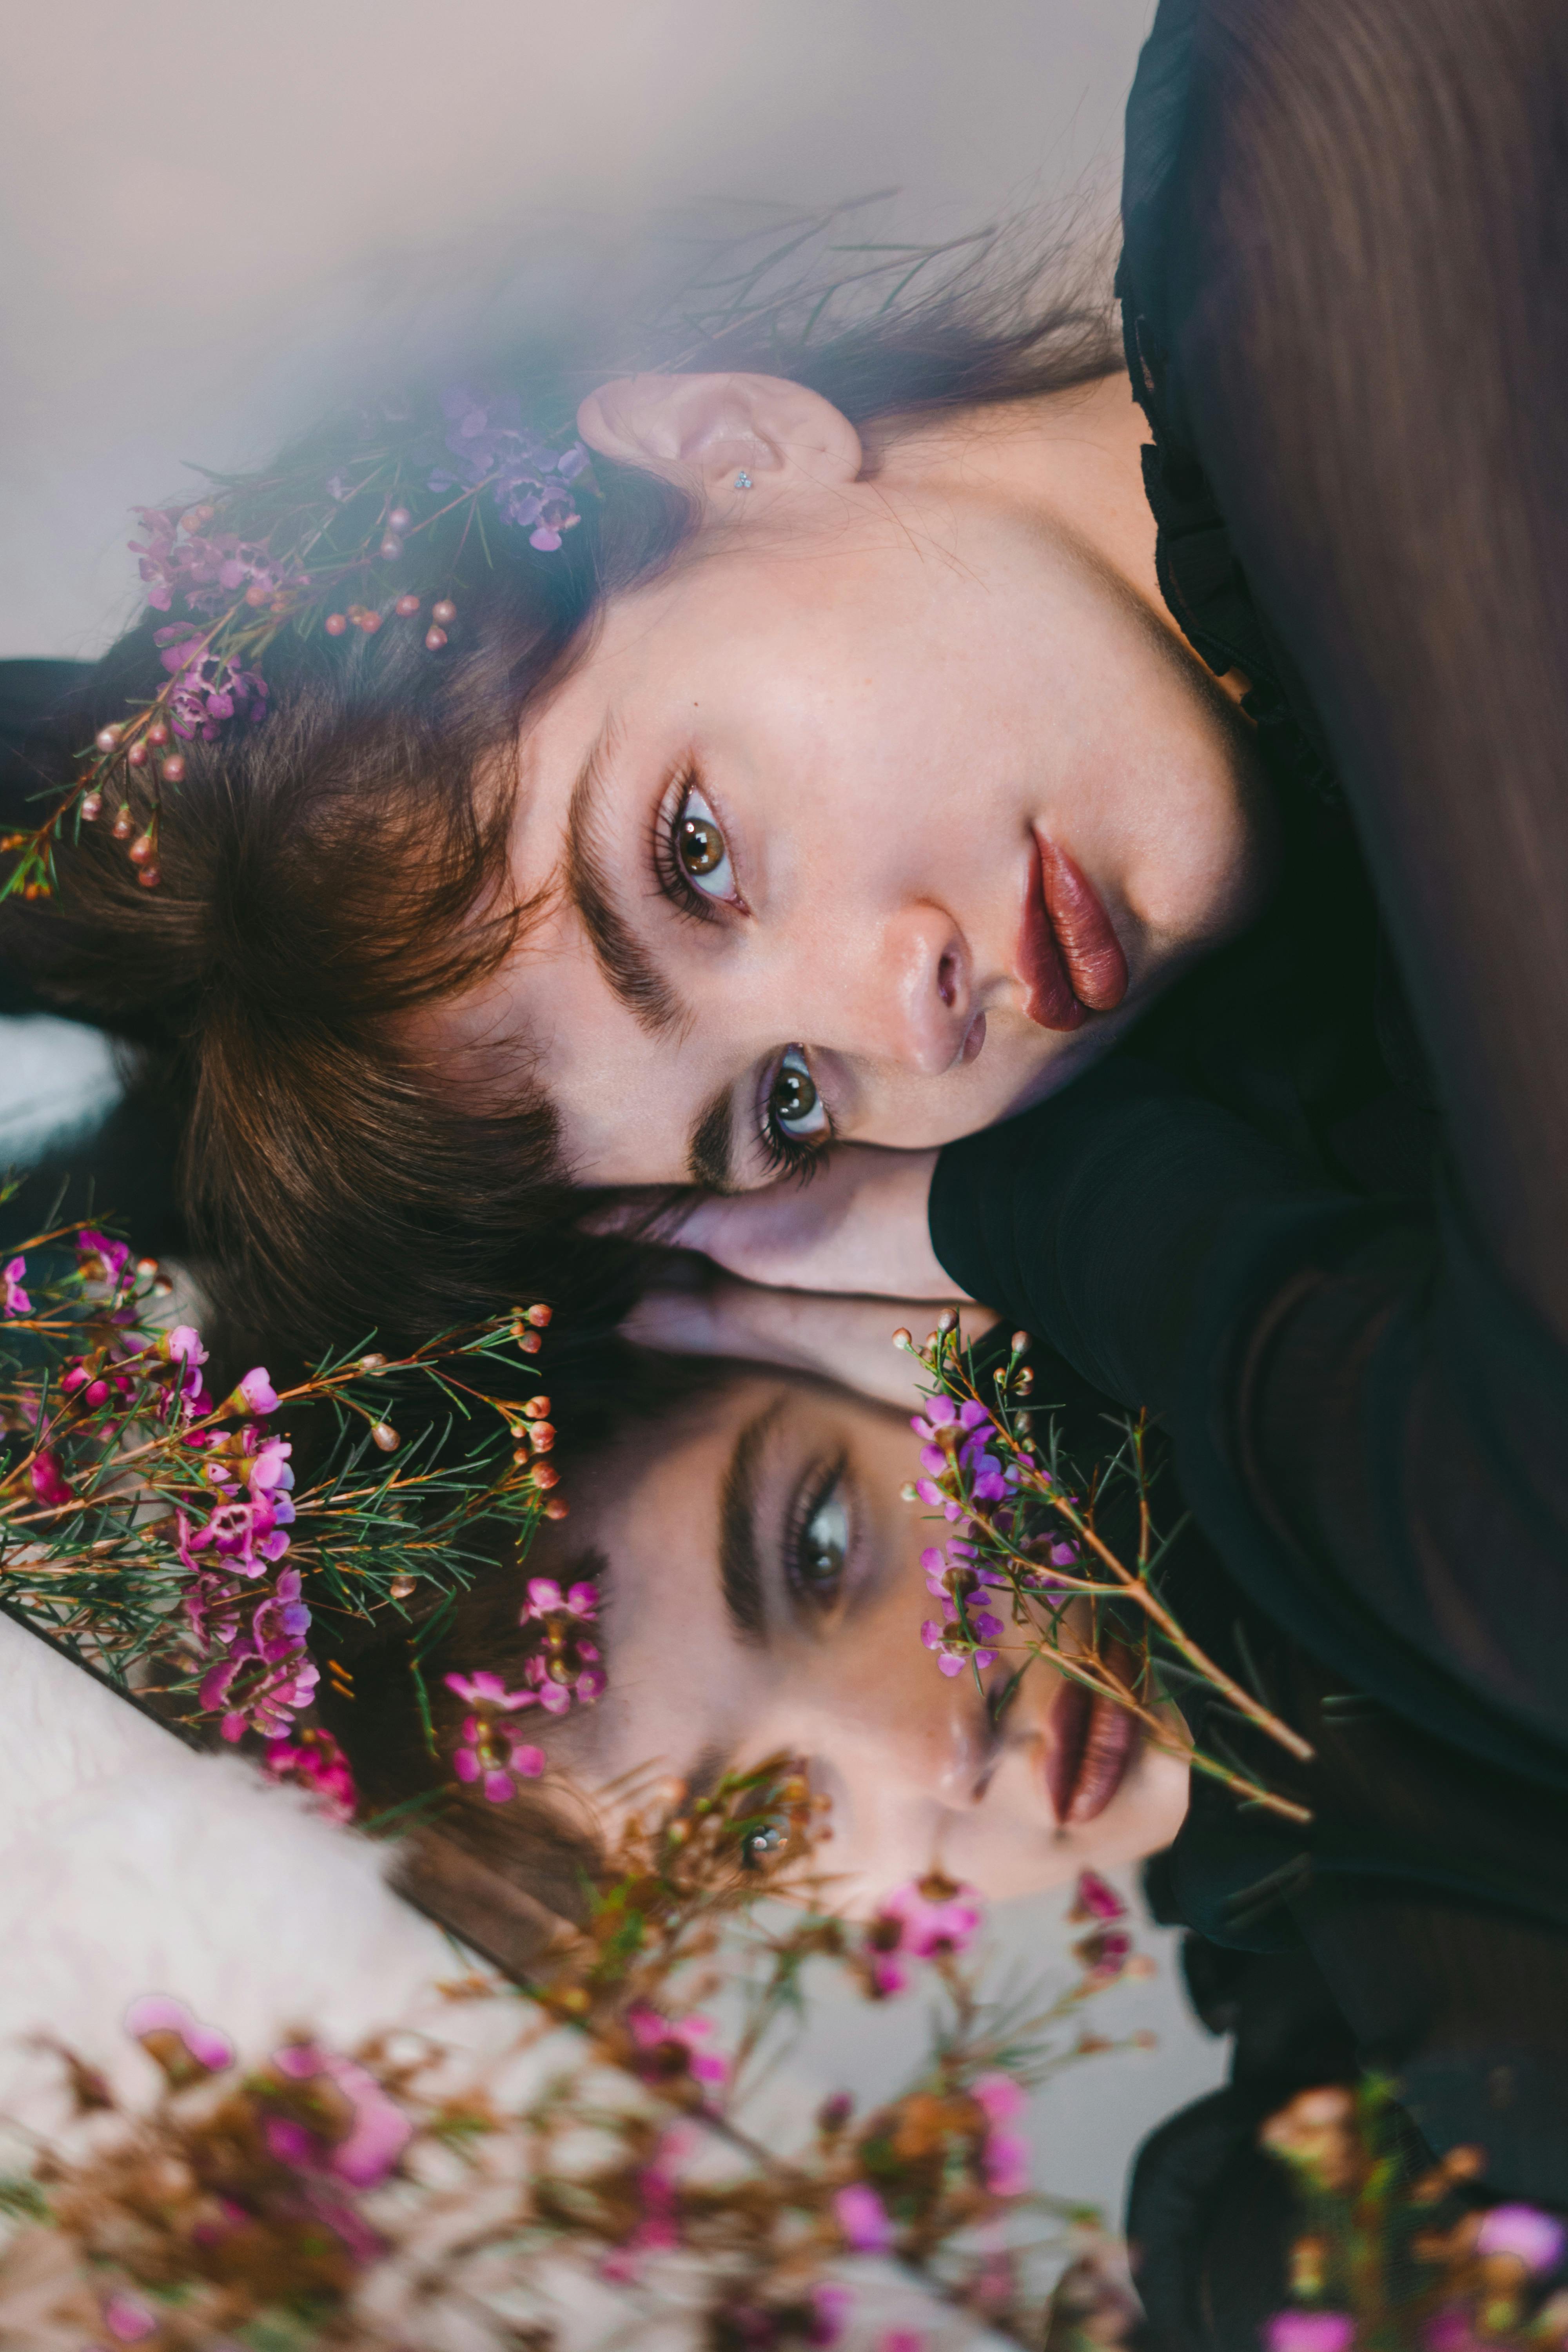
(887,807)
(766,1595)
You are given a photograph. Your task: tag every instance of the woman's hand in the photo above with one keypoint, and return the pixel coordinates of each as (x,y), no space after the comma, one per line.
(858,1226)
(849,1341)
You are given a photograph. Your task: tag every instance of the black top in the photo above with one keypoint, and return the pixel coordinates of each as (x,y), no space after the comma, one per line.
(1345,297)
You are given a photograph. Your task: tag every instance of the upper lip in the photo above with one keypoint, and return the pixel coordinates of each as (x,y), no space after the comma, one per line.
(1069,956)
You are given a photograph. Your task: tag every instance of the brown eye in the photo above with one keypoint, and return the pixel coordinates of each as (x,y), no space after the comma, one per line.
(795,1102)
(701,849)
(700,844)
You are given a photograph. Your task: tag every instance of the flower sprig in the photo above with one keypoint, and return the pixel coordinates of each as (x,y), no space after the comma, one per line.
(1024,1564)
(156,1531)
(236,595)
(1387,2251)
(368,2199)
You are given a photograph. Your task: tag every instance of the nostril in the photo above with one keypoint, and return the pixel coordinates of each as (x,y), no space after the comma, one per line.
(947,981)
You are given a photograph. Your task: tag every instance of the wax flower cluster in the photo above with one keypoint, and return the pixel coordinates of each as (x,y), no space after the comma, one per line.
(156,1528)
(565,1668)
(1023,1573)
(400,2193)
(247,562)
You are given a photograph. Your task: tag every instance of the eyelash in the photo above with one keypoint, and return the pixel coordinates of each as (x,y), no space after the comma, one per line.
(786,1155)
(674,885)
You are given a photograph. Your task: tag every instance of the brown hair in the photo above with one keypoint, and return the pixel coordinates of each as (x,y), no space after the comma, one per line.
(321,873)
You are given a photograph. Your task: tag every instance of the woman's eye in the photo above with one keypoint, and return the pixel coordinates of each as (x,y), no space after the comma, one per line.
(700,848)
(824,1547)
(796,1106)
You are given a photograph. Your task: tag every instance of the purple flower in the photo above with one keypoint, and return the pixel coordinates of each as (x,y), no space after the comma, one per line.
(1309,2331)
(1533,2238)
(938,1915)
(316,1762)
(863,2219)
(15,1300)
(47,1479)
(487,444)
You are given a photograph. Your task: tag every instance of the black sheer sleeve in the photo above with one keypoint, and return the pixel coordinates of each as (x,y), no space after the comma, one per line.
(1363,300)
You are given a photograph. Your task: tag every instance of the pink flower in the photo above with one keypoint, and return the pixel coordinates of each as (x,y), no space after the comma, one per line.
(316,1762)
(953,1651)
(495,1758)
(13,1301)
(1004,2154)
(246,1535)
(128,2319)
(255,1394)
(546,1599)
(863,2218)
(1309,2331)
(155,2020)
(1533,2238)
(1104,1952)
(47,1479)
(182,1345)
(379,2132)
(101,1260)
(485,1689)
(1095,1898)
(938,1915)
(674,2045)
(268,1468)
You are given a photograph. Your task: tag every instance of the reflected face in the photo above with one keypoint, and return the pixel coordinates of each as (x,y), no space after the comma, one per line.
(875,819)
(765,1594)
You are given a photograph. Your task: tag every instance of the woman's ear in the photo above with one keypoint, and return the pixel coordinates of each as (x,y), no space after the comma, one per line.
(729,439)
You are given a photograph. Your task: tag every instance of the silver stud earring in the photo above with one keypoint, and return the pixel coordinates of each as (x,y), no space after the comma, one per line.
(743,481)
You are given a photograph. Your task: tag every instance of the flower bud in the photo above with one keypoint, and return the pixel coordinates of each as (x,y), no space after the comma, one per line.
(543,1436)
(158,733)
(371,1363)
(1020,1343)
(124,824)
(903,1338)
(385,1437)
(399,518)
(539,1317)
(557,1509)
(106,737)
(137,756)
(529,1343)
(335,623)
(173,768)
(406,607)
(91,804)
(537,1408)
(370,623)
(149,876)
(391,548)
(255,594)
(401,1587)
(140,850)
(434,640)
(444,611)
(947,1320)
(545,1473)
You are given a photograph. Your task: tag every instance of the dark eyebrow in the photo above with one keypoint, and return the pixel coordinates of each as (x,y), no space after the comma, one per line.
(622,957)
(708,1154)
(740,1555)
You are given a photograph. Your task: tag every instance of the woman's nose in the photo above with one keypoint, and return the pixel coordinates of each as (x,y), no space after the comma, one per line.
(910,996)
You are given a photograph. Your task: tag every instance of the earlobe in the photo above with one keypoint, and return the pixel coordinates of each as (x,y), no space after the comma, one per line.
(705,431)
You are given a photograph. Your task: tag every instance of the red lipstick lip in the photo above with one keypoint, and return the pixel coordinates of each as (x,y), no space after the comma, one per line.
(1069,956)
(1092,1746)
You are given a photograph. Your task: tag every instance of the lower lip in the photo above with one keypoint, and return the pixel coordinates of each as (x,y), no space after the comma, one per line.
(1069,956)
(1094,1745)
